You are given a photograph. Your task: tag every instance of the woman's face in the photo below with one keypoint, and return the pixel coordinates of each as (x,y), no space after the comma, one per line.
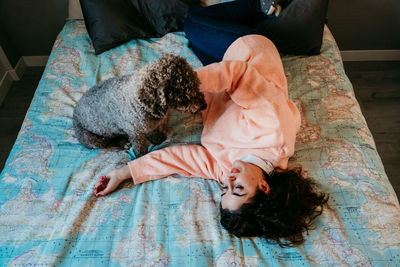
(241,184)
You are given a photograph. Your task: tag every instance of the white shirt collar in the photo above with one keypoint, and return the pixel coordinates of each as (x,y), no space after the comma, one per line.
(265,165)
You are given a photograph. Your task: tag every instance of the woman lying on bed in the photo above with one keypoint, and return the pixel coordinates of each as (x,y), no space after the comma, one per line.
(249,134)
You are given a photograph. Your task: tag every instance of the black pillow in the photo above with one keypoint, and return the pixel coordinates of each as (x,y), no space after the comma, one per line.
(165,16)
(114,22)
(299,28)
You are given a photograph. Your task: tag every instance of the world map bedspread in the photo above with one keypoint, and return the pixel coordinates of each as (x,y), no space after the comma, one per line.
(50,217)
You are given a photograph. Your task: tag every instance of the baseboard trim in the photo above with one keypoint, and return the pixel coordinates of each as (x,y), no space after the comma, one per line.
(370,55)
(40,61)
(35,61)
(20,68)
(5,85)
(16,74)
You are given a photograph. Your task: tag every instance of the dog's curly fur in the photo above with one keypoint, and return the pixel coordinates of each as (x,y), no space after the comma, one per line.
(123,110)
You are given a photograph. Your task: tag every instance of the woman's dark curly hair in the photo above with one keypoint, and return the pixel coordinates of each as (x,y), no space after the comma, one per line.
(283,215)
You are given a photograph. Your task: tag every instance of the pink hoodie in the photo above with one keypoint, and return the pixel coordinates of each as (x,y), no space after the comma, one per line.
(248,112)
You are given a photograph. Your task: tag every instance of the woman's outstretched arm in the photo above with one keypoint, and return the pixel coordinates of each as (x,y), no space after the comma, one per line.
(185,160)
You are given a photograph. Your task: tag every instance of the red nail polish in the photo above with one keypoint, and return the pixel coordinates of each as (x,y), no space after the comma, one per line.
(235,170)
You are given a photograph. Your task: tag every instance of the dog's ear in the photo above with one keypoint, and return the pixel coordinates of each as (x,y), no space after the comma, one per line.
(153,98)
(179,82)
(183,92)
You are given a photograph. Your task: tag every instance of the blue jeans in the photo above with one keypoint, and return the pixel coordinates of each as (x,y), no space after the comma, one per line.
(211,30)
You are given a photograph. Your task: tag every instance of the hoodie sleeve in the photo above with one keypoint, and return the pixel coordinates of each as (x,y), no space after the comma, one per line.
(185,160)
(222,76)
(244,84)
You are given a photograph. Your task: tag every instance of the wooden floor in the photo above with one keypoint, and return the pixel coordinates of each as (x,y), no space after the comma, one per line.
(376,84)
(13,109)
(377,89)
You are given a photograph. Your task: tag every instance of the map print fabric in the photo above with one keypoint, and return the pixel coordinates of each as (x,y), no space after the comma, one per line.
(50,217)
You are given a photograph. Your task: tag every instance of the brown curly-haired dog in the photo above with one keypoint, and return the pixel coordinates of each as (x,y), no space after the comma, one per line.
(123,110)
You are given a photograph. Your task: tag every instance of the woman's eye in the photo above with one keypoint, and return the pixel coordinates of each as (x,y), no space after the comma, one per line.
(224,187)
(239,187)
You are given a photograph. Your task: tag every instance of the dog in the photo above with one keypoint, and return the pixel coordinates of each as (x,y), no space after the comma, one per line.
(123,111)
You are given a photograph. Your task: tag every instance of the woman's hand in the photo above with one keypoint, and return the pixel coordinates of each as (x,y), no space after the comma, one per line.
(109,182)
(273,7)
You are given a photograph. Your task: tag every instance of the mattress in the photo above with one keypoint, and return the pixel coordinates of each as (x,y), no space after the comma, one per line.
(49,215)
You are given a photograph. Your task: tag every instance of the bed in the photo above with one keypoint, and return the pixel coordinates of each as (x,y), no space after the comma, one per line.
(50,217)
